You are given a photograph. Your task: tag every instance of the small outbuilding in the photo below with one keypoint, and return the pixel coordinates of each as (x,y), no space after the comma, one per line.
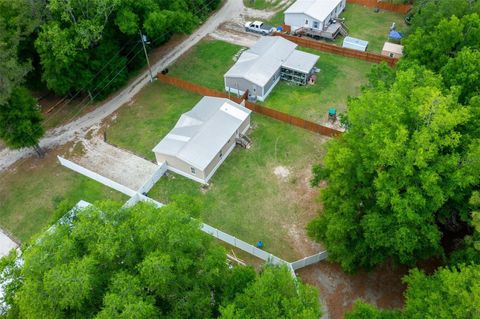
(203,138)
(259,68)
(392,50)
(313,14)
(355,44)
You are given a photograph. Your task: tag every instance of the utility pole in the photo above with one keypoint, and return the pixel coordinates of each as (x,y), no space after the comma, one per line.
(143,38)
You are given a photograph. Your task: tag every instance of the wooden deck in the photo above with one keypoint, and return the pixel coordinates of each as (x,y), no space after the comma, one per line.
(331,32)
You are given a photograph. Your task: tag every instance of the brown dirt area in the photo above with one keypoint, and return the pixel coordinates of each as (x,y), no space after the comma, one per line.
(382,287)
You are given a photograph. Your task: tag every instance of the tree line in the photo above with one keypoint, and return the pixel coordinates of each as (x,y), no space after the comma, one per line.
(404,180)
(143,262)
(77,48)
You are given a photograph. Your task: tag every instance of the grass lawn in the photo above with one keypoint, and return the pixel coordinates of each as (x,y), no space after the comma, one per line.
(339,77)
(206,63)
(261,4)
(30,193)
(246,198)
(365,24)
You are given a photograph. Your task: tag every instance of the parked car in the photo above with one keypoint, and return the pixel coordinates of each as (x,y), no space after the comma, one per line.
(259,27)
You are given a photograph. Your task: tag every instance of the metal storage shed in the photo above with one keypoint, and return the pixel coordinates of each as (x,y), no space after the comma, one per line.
(203,138)
(355,44)
(392,50)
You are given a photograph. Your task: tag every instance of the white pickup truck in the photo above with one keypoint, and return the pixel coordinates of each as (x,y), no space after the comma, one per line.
(259,27)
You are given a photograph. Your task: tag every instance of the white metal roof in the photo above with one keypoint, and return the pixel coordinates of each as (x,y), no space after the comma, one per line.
(355,41)
(200,133)
(259,63)
(317,9)
(301,61)
(393,47)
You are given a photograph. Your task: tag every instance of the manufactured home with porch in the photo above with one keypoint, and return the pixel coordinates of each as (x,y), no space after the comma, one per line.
(259,68)
(315,15)
(203,138)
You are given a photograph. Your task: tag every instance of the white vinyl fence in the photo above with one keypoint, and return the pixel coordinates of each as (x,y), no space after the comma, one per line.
(307,261)
(137,196)
(95,176)
(240,244)
(162,168)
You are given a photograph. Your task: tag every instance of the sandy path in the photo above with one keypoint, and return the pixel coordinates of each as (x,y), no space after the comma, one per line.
(79,127)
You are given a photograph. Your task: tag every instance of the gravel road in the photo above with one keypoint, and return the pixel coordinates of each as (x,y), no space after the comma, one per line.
(78,128)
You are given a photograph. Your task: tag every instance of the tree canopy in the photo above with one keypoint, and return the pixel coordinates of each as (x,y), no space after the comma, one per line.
(141,262)
(449,293)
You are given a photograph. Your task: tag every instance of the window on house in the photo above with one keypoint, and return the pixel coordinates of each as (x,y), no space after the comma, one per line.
(306,21)
(192,169)
(391,55)
(315,24)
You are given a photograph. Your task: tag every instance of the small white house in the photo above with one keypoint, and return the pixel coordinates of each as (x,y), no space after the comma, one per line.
(203,138)
(355,44)
(315,14)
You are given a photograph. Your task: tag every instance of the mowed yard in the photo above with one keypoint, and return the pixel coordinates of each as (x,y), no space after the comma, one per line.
(339,78)
(30,192)
(258,194)
(363,23)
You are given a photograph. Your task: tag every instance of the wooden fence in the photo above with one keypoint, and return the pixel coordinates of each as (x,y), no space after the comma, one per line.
(335,49)
(284,117)
(400,8)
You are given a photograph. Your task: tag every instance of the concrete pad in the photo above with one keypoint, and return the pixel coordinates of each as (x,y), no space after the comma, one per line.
(116,164)
(6,244)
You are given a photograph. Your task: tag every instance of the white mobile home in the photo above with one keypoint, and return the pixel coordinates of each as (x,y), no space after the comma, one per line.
(203,138)
(259,68)
(313,14)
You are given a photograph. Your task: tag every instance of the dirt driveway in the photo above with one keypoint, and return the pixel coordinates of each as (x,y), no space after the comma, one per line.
(114,163)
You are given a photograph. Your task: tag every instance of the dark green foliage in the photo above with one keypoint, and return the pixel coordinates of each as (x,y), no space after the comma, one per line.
(274,295)
(363,310)
(140,262)
(20,120)
(448,293)
(433,48)
(76,45)
(401,162)
(463,71)
(428,13)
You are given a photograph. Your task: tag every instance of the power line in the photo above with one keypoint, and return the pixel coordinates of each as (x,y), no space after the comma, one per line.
(89,102)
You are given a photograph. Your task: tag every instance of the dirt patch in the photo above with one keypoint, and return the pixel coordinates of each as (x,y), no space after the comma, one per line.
(382,287)
(281,172)
(303,198)
(114,163)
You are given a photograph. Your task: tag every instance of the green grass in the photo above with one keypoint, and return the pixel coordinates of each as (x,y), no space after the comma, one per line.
(261,4)
(30,193)
(339,77)
(206,63)
(246,198)
(365,24)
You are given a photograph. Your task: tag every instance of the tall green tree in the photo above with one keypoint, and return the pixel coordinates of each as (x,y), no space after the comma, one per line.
(433,48)
(463,71)
(449,293)
(394,173)
(274,295)
(137,262)
(21,121)
(428,13)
